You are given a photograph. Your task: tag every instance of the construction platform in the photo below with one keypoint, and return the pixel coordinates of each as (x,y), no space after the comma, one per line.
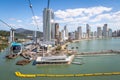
(18,74)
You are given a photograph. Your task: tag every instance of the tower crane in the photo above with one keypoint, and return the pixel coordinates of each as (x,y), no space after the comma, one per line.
(35,20)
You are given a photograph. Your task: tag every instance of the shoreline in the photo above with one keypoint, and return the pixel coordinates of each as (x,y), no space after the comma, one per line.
(84,39)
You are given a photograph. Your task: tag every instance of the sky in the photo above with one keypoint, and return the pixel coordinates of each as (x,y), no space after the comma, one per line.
(72,13)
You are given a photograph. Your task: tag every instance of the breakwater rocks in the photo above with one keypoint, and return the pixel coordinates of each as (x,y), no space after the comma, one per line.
(100,52)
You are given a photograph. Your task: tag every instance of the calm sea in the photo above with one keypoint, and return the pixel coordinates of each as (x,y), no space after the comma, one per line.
(92,64)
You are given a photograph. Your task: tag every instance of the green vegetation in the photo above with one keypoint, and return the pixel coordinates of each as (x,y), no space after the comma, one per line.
(58,48)
(3,43)
(4,39)
(3,46)
(4,33)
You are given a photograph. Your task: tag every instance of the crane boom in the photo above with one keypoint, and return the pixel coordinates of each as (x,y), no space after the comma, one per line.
(48,4)
(35,20)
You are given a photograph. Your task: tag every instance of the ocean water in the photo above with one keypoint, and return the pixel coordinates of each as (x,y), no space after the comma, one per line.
(92,64)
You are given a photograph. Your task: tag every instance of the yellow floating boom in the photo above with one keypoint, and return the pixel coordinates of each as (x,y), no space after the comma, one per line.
(18,74)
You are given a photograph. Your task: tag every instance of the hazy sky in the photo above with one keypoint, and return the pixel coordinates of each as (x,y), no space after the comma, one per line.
(72,13)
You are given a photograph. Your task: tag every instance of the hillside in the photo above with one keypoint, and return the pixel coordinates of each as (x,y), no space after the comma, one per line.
(26,32)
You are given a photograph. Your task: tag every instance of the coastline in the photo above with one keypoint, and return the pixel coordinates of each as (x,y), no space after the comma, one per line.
(84,39)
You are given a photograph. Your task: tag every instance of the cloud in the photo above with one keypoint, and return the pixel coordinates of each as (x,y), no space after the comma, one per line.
(79,12)
(101,17)
(35,17)
(37,21)
(87,15)
(96,10)
(19,21)
(109,17)
(95,16)
(82,15)
(12,19)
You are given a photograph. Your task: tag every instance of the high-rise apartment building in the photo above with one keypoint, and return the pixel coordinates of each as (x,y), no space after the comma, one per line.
(99,32)
(95,34)
(48,17)
(105,31)
(56,30)
(79,29)
(63,35)
(76,35)
(109,32)
(52,30)
(88,31)
(66,32)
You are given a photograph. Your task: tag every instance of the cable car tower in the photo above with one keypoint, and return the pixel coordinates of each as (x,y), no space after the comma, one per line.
(14,47)
(12,30)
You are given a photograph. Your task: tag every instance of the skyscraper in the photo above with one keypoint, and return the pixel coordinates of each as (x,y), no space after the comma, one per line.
(56,30)
(76,35)
(52,30)
(114,34)
(88,30)
(48,17)
(105,31)
(79,32)
(99,32)
(109,32)
(66,32)
(63,35)
(95,34)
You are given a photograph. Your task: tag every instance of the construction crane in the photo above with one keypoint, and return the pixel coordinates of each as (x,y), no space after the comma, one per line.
(35,20)
(11,31)
(48,4)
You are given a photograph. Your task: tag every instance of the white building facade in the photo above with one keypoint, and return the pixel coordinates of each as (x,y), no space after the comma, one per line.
(48,17)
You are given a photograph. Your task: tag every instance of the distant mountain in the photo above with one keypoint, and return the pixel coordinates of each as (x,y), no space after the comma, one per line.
(20,30)
(26,32)
(21,33)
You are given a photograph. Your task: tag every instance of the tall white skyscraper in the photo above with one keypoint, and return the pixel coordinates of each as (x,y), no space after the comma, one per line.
(99,32)
(79,32)
(66,32)
(48,18)
(105,31)
(63,35)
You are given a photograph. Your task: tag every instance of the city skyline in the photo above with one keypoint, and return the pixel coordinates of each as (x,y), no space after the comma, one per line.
(94,12)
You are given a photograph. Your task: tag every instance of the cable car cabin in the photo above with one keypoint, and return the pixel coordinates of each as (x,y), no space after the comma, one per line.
(16,47)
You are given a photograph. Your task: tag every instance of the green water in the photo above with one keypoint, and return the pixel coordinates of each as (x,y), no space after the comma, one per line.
(92,64)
